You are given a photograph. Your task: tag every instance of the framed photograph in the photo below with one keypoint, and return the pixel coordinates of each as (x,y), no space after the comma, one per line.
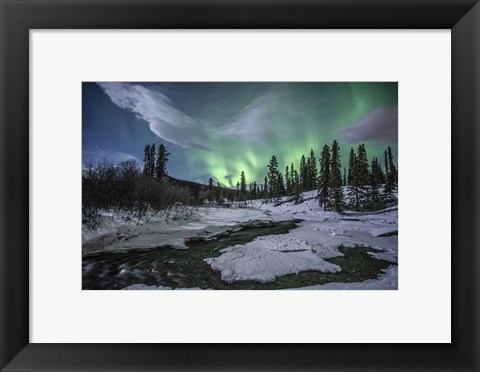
(173,173)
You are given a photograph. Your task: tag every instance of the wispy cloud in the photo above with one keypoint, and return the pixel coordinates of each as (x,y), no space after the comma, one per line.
(254,122)
(157,110)
(379,125)
(95,156)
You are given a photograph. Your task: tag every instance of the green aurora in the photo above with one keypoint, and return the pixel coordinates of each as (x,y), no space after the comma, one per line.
(221,129)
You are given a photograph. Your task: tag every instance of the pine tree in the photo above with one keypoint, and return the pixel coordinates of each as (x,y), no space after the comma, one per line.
(374,199)
(344,176)
(313,171)
(243,186)
(265,188)
(218,193)
(288,184)
(308,176)
(386,163)
(273,174)
(296,187)
(392,168)
(161,165)
(351,166)
(152,160)
(359,179)
(280,185)
(292,178)
(335,192)
(362,165)
(391,175)
(146,161)
(382,174)
(210,184)
(376,172)
(303,173)
(362,177)
(324,177)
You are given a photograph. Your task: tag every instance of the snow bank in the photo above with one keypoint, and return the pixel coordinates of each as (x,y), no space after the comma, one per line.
(115,233)
(386,281)
(268,257)
(317,238)
(143,287)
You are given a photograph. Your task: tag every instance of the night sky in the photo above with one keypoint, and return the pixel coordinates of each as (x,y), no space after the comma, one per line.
(219,129)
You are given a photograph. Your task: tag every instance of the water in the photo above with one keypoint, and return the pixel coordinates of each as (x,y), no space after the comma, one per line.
(185,268)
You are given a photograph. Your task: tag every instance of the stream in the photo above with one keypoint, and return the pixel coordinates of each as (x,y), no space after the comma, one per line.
(186,269)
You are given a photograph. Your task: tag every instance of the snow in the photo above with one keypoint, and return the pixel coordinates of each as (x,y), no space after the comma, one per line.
(114,233)
(144,287)
(387,280)
(317,238)
(257,261)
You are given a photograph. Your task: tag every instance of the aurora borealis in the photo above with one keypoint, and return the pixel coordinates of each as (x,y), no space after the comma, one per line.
(220,129)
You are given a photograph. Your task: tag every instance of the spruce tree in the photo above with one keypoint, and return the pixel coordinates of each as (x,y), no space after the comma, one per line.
(146,161)
(292,178)
(288,184)
(152,160)
(335,192)
(351,166)
(386,163)
(265,188)
(161,165)
(273,174)
(374,198)
(303,173)
(344,176)
(359,179)
(362,177)
(296,187)
(324,177)
(218,192)
(391,166)
(313,171)
(391,175)
(243,186)
(308,176)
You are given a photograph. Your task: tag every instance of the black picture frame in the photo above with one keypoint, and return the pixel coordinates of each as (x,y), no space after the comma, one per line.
(18,17)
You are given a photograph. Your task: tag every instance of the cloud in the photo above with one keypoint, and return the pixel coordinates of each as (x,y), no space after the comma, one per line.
(156,109)
(115,157)
(255,121)
(379,125)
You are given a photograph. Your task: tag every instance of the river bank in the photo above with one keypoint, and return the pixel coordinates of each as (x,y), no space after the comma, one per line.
(242,245)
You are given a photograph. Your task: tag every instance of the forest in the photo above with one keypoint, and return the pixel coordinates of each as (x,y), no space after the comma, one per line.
(132,191)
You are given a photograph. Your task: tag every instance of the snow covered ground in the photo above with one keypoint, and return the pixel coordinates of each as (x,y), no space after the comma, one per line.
(317,238)
(114,233)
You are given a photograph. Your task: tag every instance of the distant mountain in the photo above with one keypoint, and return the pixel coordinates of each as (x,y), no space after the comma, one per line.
(195,188)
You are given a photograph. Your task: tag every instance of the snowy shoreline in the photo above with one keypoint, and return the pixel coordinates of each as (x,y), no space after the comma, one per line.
(307,247)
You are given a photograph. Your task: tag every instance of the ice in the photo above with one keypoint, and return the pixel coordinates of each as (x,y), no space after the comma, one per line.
(142,287)
(317,238)
(386,281)
(268,257)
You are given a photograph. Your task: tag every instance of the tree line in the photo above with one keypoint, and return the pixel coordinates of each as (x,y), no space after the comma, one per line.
(364,185)
(125,189)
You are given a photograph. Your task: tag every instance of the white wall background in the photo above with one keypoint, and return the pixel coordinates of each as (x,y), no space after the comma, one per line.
(61,312)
